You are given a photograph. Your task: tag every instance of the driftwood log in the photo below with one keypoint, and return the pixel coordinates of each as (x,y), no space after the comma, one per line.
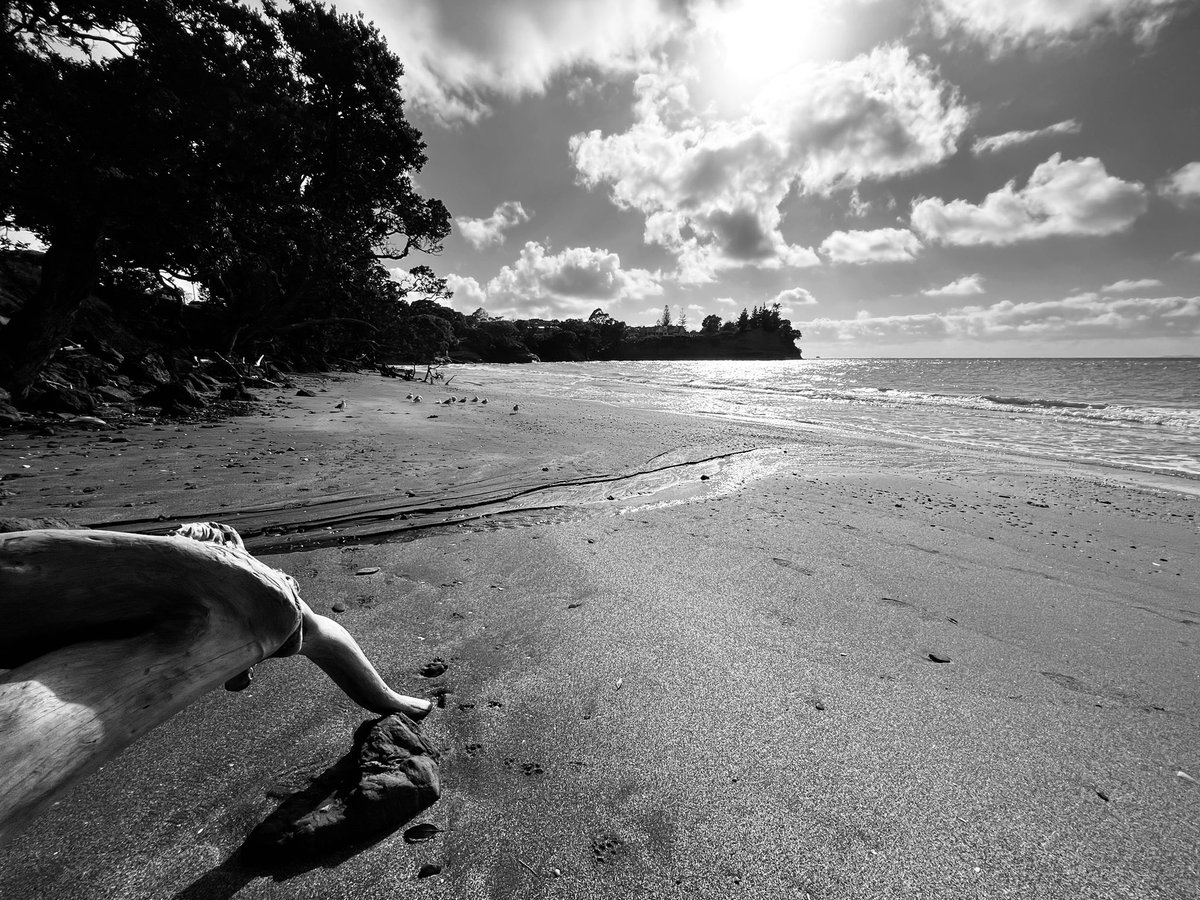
(106,635)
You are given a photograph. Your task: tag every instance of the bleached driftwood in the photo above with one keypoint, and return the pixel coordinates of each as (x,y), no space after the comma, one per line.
(106,635)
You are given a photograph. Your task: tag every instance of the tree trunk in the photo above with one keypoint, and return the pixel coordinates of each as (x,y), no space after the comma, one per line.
(69,272)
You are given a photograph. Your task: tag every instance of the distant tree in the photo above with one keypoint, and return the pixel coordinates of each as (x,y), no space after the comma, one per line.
(743,320)
(424,339)
(683,318)
(665,319)
(710,325)
(600,317)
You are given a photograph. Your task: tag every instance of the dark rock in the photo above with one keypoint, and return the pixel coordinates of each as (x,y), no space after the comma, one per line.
(9,525)
(55,397)
(9,414)
(150,368)
(388,777)
(237,392)
(97,327)
(107,353)
(200,382)
(429,870)
(111,394)
(86,367)
(172,394)
(305,393)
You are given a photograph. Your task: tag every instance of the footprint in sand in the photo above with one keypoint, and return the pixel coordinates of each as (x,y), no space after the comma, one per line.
(608,848)
(434,668)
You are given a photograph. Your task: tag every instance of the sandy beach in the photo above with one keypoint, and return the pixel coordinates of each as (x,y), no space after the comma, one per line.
(685,656)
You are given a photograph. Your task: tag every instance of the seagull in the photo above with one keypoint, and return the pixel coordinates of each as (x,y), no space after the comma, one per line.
(341,404)
(416,398)
(516,406)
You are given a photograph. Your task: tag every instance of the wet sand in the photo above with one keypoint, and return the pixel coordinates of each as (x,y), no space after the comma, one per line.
(684,657)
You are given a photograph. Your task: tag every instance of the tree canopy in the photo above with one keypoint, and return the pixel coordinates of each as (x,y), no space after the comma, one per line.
(263,153)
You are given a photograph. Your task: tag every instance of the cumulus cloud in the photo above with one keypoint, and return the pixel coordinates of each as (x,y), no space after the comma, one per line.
(1078,317)
(480,233)
(1182,187)
(961,287)
(1002,25)
(710,187)
(1187,257)
(793,297)
(569,283)
(1062,197)
(880,245)
(460,55)
(1127,284)
(997,142)
(468,294)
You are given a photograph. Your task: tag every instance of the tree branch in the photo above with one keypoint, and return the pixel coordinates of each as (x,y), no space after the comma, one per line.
(330,320)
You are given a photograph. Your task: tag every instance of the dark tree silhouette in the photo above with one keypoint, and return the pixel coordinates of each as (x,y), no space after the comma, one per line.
(265,154)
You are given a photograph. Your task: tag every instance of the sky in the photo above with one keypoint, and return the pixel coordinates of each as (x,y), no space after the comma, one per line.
(905,177)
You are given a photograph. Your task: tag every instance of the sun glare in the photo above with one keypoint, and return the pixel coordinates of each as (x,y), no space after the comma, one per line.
(745,46)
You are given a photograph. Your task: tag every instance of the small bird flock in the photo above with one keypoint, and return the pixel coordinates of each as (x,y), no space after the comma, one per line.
(416,398)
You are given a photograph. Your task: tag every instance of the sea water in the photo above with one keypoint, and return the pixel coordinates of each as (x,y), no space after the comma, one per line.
(1135,414)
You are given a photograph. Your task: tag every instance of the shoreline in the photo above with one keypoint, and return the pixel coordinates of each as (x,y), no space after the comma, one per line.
(685,657)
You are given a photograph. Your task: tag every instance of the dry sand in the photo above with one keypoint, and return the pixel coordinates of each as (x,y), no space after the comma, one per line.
(685,657)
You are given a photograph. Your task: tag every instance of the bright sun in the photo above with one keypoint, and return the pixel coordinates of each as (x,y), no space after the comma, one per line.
(744,46)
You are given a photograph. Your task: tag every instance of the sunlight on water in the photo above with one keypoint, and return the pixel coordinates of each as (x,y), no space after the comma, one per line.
(1141,414)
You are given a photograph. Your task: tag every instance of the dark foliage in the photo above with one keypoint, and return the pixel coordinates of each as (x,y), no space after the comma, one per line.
(263,154)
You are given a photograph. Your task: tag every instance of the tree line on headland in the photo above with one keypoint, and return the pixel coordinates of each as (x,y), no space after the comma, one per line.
(761,334)
(262,155)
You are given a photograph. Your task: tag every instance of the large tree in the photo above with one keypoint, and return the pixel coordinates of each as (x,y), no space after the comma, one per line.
(265,154)
(347,202)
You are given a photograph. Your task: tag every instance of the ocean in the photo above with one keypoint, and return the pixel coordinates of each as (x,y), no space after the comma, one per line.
(1140,415)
